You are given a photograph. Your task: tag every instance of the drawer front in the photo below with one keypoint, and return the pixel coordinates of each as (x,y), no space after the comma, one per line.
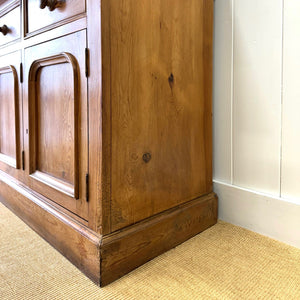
(42,13)
(10,26)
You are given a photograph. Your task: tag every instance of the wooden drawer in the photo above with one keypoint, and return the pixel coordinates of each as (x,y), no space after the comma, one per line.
(39,16)
(10,22)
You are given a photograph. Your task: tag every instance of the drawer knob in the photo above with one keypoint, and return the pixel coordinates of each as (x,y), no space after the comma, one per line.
(52,4)
(4,29)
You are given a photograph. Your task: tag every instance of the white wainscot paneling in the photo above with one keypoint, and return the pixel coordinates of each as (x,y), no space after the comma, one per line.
(291,102)
(265,214)
(257,94)
(222,90)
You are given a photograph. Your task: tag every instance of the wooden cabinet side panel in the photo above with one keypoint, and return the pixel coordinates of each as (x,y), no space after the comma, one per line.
(160,89)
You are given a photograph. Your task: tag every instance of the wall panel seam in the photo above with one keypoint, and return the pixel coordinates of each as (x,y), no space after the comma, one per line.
(281,98)
(232,93)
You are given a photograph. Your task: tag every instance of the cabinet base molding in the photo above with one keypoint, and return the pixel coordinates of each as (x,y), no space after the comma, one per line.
(106,258)
(75,241)
(123,251)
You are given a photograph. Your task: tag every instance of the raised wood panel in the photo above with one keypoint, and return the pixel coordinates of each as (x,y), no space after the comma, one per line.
(10,114)
(53,113)
(7,113)
(257,94)
(57,121)
(56,133)
(38,18)
(12,20)
(161,78)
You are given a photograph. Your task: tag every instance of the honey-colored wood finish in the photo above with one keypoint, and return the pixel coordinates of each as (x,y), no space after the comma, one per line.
(57,124)
(79,244)
(159,106)
(109,127)
(98,202)
(127,249)
(56,133)
(10,114)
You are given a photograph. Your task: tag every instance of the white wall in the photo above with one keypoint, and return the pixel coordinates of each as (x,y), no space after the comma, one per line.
(257,115)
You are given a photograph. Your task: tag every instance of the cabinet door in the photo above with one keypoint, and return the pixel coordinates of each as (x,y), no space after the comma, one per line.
(57,121)
(10,112)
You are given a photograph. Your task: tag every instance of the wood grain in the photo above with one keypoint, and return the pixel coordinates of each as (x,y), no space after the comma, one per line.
(104,259)
(56,130)
(10,114)
(75,241)
(58,134)
(54,116)
(119,90)
(106,141)
(97,150)
(161,78)
(127,249)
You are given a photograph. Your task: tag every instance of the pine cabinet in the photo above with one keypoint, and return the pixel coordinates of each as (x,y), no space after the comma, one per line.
(10,113)
(57,120)
(105,126)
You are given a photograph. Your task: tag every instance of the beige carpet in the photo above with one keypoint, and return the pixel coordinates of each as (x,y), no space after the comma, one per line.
(224,262)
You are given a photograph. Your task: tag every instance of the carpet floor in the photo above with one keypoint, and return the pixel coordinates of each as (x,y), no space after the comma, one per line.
(224,262)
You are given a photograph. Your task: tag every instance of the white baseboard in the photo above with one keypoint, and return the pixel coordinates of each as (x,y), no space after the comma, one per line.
(270,216)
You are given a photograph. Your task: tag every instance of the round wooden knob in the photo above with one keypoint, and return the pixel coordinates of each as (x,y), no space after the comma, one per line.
(52,4)
(4,29)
